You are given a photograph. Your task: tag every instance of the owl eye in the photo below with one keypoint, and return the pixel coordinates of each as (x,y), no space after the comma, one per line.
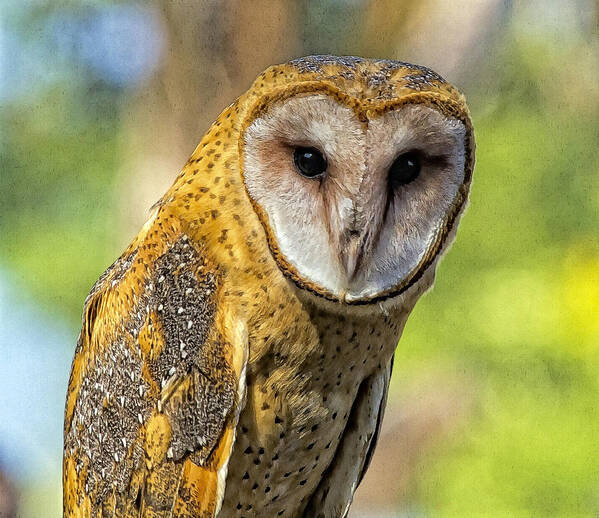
(309,161)
(405,169)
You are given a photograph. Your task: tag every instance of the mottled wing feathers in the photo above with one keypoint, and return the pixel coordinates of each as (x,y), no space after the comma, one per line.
(379,424)
(334,494)
(155,391)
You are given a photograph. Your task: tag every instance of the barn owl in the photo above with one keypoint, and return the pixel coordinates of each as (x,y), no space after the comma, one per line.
(235,360)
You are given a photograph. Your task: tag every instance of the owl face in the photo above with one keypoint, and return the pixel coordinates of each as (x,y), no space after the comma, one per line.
(357,202)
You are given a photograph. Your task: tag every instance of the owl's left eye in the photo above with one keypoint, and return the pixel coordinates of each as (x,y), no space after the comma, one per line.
(309,162)
(405,169)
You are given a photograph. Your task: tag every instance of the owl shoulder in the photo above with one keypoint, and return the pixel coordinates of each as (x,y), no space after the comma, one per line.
(152,354)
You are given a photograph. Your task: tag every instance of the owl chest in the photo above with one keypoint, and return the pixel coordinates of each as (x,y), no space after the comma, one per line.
(289,431)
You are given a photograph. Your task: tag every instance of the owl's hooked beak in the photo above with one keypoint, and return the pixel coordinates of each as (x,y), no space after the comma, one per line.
(362,226)
(353,254)
(357,246)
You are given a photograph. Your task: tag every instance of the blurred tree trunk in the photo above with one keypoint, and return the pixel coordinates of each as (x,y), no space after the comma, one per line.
(449,36)
(213,52)
(8,497)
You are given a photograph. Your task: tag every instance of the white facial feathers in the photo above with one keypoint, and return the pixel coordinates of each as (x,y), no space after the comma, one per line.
(352,232)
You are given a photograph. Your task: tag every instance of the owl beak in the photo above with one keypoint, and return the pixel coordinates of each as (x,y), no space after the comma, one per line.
(354,252)
(361,225)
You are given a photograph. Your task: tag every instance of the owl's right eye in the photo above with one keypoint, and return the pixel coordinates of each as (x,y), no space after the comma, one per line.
(309,162)
(405,169)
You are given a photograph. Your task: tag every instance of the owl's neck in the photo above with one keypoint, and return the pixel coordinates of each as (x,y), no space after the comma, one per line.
(362,338)
(306,357)
(302,336)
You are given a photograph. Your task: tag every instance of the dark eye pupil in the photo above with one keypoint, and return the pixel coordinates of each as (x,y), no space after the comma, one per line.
(405,169)
(309,161)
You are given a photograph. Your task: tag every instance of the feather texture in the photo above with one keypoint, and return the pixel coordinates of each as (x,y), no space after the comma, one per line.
(216,376)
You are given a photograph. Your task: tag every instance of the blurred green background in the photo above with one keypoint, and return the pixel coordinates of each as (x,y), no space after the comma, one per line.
(494,408)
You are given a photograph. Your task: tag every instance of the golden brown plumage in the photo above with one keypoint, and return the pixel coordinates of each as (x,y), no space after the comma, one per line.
(210,373)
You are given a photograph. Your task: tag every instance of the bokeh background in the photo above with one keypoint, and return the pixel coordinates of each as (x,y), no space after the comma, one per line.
(494,406)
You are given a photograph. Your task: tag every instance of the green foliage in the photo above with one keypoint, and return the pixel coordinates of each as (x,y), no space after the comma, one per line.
(58,161)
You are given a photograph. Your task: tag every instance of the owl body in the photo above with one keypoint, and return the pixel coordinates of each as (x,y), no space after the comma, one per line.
(285,444)
(235,360)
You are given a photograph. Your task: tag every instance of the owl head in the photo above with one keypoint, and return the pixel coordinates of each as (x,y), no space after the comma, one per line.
(358,171)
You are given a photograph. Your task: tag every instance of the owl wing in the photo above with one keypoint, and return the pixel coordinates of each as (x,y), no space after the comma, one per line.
(156,388)
(334,494)
(379,424)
